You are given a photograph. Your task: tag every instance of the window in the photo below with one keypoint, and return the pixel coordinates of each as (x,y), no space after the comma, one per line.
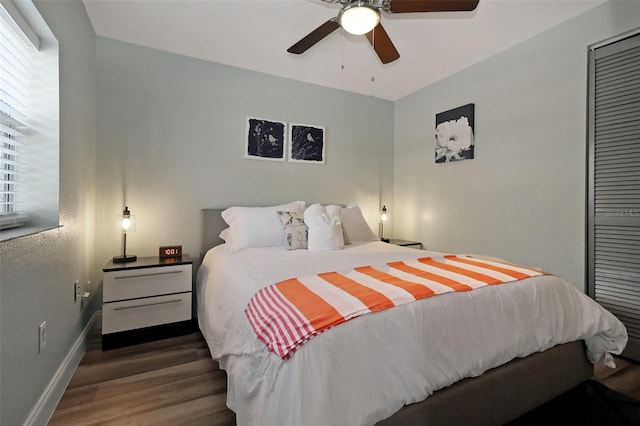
(16,51)
(29,122)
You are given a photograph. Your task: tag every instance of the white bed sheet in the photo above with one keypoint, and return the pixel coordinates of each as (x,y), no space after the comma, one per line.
(364,370)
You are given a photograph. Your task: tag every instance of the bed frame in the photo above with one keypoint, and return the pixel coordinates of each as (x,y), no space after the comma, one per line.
(496,397)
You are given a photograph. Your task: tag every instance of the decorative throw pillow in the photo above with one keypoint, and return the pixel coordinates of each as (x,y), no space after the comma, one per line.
(296,233)
(335,210)
(325,229)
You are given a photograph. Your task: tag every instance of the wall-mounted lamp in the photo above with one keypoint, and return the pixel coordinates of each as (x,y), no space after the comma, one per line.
(384,218)
(127,224)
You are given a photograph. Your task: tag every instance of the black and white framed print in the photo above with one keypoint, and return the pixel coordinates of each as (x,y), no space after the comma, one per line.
(454,134)
(306,143)
(265,139)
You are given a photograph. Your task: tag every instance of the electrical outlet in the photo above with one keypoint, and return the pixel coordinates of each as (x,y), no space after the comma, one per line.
(42,333)
(76,291)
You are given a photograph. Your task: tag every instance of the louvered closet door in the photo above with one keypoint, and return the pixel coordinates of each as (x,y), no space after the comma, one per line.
(614,183)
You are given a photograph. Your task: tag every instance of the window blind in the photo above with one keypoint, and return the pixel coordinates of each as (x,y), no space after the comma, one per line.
(16,57)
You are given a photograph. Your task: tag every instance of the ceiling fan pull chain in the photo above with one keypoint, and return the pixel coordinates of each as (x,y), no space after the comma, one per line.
(373,66)
(342,51)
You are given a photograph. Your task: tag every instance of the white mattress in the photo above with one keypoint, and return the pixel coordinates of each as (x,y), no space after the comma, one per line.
(364,370)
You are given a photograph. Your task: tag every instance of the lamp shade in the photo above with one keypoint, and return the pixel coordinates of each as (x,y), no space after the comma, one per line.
(127,224)
(359,17)
(384,215)
(127,221)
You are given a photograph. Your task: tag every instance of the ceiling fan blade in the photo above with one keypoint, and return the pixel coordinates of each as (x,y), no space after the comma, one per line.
(314,36)
(409,6)
(382,44)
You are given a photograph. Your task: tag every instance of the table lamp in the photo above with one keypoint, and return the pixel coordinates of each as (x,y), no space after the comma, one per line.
(128,224)
(384,217)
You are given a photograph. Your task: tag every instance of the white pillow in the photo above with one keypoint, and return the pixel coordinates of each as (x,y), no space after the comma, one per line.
(355,226)
(325,229)
(225,235)
(257,226)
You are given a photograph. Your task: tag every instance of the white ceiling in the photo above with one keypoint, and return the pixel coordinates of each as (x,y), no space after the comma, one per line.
(255,34)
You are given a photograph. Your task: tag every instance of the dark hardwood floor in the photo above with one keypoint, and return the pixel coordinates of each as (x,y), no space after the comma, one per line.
(175,381)
(167,382)
(625,378)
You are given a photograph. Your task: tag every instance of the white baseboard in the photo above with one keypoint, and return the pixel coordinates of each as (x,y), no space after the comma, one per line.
(46,405)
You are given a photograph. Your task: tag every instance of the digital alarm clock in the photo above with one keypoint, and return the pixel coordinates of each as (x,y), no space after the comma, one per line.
(170,252)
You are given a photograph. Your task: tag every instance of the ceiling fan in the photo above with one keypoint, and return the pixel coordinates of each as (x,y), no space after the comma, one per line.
(363,17)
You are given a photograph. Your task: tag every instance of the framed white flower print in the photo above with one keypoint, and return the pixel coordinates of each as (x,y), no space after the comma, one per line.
(454,134)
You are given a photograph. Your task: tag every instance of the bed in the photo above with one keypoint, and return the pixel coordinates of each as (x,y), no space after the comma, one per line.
(500,352)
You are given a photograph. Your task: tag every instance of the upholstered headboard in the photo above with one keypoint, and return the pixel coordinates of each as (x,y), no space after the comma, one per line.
(212,225)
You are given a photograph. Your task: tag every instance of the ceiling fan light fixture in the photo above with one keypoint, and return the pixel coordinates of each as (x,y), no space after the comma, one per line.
(359,17)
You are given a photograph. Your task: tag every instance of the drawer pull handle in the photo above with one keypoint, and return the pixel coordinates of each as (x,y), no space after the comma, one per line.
(122,308)
(147,275)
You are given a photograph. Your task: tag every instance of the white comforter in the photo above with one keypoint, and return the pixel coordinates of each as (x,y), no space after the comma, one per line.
(364,370)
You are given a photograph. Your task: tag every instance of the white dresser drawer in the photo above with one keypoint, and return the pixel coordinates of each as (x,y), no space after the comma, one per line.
(144,282)
(145,312)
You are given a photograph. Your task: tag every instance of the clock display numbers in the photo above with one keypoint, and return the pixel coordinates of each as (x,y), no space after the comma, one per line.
(170,252)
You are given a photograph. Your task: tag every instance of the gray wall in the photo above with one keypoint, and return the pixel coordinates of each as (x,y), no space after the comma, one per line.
(38,272)
(170,143)
(523,196)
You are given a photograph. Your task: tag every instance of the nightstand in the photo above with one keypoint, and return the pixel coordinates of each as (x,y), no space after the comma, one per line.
(146,300)
(405,243)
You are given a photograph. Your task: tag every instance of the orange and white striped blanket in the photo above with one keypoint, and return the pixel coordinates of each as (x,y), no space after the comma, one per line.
(287,314)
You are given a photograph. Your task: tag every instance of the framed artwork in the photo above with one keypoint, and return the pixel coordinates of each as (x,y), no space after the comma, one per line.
(265,139)
(454,134)
(306,143)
